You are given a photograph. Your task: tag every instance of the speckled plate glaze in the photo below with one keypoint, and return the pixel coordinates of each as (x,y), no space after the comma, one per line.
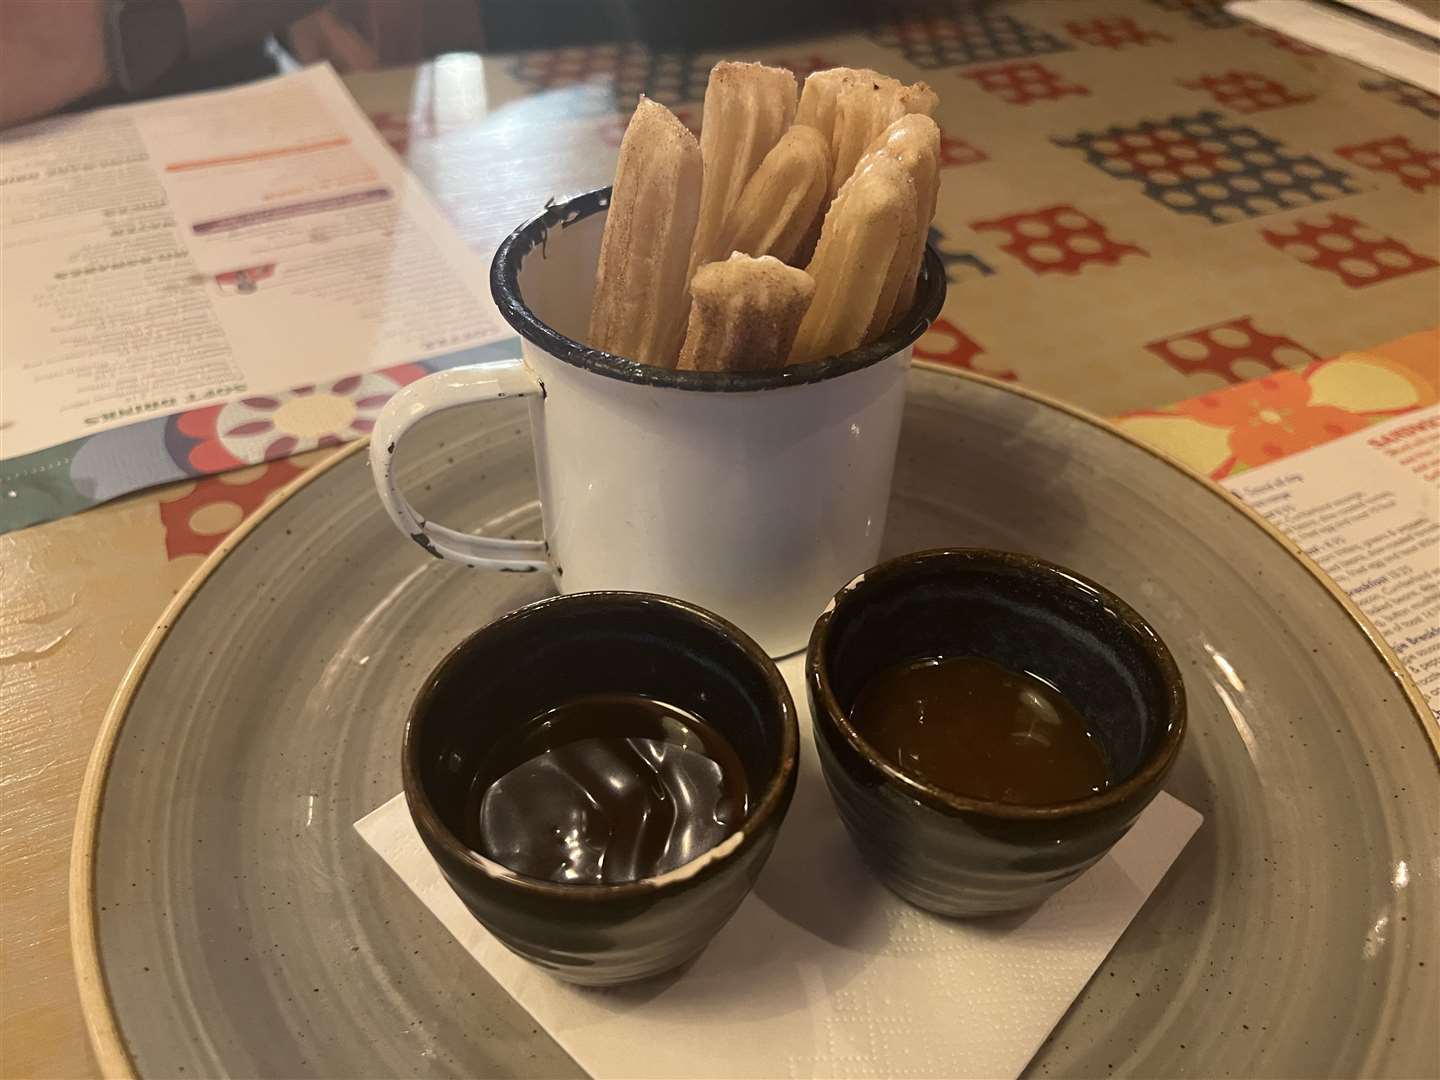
(228,920)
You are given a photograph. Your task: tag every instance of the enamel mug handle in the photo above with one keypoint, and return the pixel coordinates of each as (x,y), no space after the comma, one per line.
(432,394)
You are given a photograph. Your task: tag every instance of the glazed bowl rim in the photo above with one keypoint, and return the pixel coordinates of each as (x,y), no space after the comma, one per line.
(773,800)
(1157,761)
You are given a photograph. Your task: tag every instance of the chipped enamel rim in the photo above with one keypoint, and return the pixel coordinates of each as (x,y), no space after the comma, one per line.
(108,1043)
(505,288)
(435,830)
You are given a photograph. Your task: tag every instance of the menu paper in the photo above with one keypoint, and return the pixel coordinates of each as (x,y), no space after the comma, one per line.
(1366,507)
(1397,40)
(188,251)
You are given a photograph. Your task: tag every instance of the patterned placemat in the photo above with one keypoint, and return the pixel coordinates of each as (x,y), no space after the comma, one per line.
(1142,202)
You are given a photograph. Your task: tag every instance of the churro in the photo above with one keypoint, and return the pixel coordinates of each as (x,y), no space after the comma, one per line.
(865,108)
(913,141)
(641,284)
(852,264)
(783,198)
(747,109)
(817,97)
(744,314)
(848,191)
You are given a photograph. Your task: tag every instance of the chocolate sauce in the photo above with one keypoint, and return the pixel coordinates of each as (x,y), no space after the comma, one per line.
(974,728)
(606,789)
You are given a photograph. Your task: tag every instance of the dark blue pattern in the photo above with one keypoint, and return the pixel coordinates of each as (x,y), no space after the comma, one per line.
(957,258)
(945,35)
(1402,93)
(1262,177)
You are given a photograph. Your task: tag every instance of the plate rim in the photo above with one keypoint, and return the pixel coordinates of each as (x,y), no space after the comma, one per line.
(96,1004)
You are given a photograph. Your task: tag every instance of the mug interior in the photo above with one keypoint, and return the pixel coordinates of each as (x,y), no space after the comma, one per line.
(581,644)
(543,280)
(1021,613)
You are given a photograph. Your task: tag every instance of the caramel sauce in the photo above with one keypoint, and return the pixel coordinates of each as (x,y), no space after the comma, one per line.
(974,728)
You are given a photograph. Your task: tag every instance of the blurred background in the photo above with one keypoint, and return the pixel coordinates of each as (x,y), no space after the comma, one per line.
(387,32)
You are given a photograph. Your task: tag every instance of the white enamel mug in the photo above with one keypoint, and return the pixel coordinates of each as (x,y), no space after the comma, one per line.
(755,495)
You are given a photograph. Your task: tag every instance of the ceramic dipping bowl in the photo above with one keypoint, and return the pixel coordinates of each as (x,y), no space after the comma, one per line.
(566,647)
(962,856)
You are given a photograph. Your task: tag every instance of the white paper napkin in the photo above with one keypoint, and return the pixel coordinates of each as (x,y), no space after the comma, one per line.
(824,972)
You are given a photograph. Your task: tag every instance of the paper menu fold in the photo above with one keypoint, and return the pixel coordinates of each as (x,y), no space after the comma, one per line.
(175,255)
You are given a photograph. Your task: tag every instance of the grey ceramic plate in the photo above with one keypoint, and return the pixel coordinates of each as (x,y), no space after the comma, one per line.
(228,919)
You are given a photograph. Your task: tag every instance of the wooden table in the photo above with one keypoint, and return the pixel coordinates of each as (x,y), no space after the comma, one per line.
(1114,307)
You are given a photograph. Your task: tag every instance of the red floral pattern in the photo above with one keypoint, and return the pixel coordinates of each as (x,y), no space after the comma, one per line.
(1113,33)
(1023,82)
(957,152)
(1417,169)
(1246,91)
(181,538)
(1058,239)
(1220,349)
(946,343)
(1357,254)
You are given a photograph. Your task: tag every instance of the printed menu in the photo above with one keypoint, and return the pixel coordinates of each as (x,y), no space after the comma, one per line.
(192,250)
(1366,507)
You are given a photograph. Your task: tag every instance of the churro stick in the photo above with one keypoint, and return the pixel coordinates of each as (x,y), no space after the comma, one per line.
(640,285)
(817,110)
(862,111)
(747,108)
(784,196)
(896,272)
(852,262)
(817,97)
(913,141)
(744,314)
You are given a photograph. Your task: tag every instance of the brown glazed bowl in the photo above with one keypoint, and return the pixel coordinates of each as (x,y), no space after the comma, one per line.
(588,643)
(962,856)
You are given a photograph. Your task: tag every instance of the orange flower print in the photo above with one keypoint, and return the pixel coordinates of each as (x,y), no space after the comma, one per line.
(1270,418)
(1242,426)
